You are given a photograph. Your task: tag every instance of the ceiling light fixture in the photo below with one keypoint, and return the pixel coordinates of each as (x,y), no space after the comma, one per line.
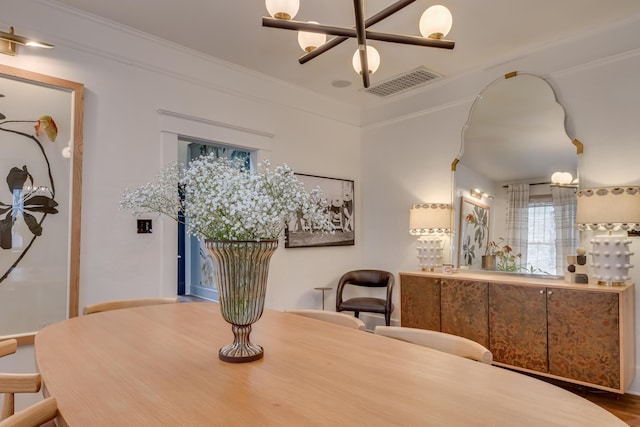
(434,25)
(373,60)
(310,41)
(9,40)
(562,179)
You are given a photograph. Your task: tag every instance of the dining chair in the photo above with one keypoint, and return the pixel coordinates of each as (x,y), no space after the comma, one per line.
(35,415)
(441,341)
(126,303)
(370,279)
(332,317)
(10,384)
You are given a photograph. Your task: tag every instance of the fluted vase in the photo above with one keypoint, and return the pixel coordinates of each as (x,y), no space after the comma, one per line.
(241,269)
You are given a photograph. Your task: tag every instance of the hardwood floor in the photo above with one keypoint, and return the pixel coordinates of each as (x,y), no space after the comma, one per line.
(625,406)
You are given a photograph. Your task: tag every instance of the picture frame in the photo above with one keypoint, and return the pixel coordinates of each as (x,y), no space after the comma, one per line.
(41,130)
(338,195)
(473,238)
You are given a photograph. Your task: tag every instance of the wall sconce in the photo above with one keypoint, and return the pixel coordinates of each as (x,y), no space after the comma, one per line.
(430,221)
(479,194)
(9,40)
(609,209)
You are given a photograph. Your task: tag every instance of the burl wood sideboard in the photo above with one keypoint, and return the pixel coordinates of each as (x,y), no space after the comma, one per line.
(584,334)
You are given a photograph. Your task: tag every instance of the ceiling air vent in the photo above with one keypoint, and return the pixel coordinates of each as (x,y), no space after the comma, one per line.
(403,82)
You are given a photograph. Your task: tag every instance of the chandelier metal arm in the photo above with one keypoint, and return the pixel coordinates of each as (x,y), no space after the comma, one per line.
(362,42)
(383,14)
(351,33)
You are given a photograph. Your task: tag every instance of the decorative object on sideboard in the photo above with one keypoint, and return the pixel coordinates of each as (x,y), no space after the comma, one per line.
(613,209)
(577,269)
(8,42)
(435,23)
(432,222)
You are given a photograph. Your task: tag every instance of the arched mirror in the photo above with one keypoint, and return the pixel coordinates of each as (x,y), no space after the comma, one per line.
(510,216)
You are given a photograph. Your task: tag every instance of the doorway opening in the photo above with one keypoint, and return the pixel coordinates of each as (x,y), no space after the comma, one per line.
(196,275)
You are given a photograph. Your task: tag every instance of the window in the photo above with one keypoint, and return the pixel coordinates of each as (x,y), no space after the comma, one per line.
(541,245)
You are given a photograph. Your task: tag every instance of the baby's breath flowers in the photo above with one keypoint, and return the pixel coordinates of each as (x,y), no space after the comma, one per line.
(223,201)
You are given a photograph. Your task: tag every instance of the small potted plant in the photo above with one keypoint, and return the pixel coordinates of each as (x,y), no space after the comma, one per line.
(507,259)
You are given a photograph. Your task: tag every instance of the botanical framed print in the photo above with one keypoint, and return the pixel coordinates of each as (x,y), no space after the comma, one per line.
(41,138)
(474,233)
(340,208)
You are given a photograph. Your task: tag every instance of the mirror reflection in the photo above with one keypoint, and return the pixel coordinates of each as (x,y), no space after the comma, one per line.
(511,216)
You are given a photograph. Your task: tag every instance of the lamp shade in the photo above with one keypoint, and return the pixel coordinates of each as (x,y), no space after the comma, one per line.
(436,22)
(310,41)
(373,60)
(282,9)
(430,218)
(608,208)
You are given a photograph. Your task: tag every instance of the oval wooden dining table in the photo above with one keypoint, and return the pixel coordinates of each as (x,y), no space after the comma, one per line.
(159,366)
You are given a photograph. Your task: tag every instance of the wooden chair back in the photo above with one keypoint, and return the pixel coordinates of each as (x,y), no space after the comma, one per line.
(8,347)
(34,415)
(126,303)
(441,341)
(10,384)
(332,317)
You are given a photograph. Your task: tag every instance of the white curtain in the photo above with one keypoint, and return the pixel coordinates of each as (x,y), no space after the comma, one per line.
(564,208)
(518,219)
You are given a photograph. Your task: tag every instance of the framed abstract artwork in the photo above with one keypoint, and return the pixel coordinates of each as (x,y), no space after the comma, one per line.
(41,138)
(340,208)
(474,233)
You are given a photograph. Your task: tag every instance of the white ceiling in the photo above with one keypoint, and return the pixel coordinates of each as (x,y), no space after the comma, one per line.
(486,32)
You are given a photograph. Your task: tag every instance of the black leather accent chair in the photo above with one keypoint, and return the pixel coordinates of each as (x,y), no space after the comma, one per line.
(371,279)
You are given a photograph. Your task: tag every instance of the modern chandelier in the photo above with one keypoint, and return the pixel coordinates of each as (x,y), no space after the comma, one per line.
(434,25)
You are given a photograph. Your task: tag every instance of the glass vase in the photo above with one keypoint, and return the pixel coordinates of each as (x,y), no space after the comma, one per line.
(241,268)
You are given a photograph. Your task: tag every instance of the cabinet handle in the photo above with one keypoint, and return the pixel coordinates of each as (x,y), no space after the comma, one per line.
(541,291)
(550,292)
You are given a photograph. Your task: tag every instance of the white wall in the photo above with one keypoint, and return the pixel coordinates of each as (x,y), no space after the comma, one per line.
(408,160)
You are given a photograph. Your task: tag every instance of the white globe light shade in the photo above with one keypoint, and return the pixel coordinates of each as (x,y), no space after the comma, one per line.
(373,60)
(562,178)
(309,41)
(436,22)
(282,9)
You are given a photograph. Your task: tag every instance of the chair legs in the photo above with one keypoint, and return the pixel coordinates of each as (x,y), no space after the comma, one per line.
(387,317)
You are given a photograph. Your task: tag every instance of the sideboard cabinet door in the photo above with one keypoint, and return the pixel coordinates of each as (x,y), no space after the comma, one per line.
(464,309)
(518,325)
(584,336)
(420,302)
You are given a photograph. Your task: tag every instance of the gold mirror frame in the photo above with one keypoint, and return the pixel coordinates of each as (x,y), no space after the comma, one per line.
(455,191)
(74,191)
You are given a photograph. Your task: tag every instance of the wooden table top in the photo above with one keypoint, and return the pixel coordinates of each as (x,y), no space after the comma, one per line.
(159,366)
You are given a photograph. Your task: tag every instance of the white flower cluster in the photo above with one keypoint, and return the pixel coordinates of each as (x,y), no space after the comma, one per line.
(223,201)
(159,197)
